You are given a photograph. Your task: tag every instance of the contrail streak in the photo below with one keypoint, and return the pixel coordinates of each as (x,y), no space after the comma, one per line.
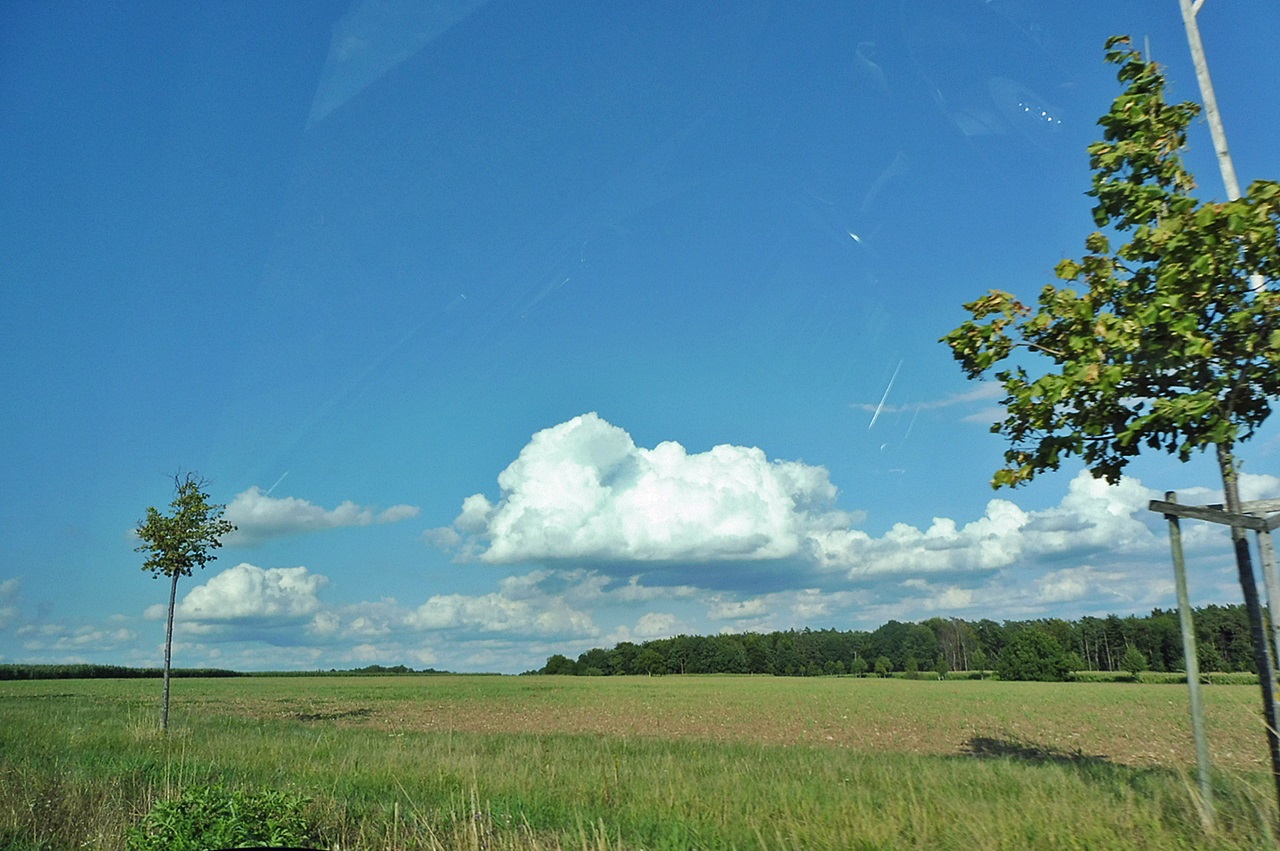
(278,481)
(880,407)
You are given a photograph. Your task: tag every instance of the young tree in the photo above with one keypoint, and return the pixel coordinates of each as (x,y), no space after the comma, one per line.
(177,544)
(1073,661)
(1134,662)
(1173,343)
(912,668)
(941,668)
(978,662)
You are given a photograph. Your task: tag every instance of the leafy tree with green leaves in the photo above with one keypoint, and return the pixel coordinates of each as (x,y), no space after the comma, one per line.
(559,665)
(1074,661)
(883,666)
(650,661)
(978,662)
(176,545)
(1134,662)
(912,668)
(1172,343)
(1032,654)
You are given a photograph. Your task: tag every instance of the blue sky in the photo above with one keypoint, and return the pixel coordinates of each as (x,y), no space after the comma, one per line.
(508,329)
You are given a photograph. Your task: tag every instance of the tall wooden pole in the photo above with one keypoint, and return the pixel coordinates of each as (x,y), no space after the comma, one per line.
(1253,607)
(1192,662)
(1211,113)
(1266,549)
(1219,133)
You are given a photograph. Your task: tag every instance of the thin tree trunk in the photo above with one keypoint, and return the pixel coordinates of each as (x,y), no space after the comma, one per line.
(168,648)
(1253,607)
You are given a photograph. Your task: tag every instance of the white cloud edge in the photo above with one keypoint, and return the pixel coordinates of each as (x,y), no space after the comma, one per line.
(258,516)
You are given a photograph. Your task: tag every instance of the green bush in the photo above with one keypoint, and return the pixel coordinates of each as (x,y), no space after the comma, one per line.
(207,817)
(1032,654)
(1134,662)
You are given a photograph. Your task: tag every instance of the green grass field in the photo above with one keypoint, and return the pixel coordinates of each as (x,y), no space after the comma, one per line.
(653,763)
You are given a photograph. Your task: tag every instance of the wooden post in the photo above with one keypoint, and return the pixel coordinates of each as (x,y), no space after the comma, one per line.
(1268,552)
(1241,516)
(1192,661)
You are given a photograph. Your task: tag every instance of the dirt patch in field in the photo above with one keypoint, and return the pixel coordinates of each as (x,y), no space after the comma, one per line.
(1120,724)
(338,715)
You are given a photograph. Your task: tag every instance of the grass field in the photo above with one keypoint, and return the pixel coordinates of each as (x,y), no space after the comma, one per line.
(654,763)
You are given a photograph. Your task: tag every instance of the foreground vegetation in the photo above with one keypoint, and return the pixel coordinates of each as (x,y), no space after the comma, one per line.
(627,763)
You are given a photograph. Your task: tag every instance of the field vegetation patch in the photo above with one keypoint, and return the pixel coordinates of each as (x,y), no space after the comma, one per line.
(713,762)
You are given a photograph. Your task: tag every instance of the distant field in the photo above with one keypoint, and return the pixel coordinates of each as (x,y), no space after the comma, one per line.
(623,763)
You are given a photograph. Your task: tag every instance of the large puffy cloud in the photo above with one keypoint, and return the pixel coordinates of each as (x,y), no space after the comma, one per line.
(584,490)
(259,516)
(1092,517)
(250,593)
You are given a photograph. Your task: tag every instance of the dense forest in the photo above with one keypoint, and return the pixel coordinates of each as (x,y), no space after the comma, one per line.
(1014,649)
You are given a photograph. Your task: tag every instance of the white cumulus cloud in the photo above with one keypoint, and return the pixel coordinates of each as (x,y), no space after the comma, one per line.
(259,516)
(499,613)
(1093,516)
(656,625)
(583,489)
(248,592)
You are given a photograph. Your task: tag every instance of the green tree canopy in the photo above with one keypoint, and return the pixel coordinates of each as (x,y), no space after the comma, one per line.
(180,542)
(1032,654)
(177,544)
(1170,344)
(1134,662)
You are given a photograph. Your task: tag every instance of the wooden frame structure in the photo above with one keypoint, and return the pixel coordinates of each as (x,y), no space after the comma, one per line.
(1261,516)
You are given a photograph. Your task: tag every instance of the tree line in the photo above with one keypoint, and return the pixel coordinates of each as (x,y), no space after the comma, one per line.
(84,671)
(1046,648)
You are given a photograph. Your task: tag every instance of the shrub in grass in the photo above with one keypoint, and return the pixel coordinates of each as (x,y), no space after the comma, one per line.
(1134,662)
(912,668)
(207,817)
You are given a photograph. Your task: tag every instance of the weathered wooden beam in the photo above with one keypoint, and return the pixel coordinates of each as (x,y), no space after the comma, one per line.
(1213,515)
(1258,506)
(1261,506)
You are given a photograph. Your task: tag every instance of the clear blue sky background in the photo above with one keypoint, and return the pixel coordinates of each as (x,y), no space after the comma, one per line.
(507,329)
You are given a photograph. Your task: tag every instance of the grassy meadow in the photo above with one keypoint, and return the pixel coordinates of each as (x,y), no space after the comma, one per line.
(715,762)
